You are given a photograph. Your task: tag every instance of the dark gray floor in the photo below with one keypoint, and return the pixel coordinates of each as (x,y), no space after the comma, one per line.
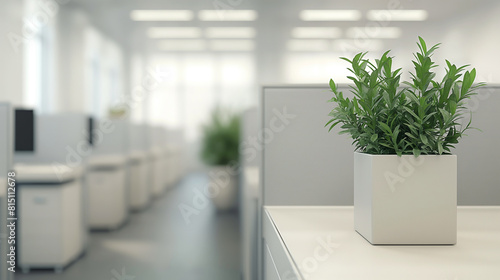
(158,244)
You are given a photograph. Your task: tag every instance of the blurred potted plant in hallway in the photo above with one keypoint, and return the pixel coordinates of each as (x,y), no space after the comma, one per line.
(117,112)
(220,151)
(405,177)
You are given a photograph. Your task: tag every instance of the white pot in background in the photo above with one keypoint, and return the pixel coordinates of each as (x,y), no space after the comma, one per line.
(406,200)
(223,187)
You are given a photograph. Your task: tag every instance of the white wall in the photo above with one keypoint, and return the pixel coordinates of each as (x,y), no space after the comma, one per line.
(86,62)
(70,95)
(137,74)
(11,64)
(474,38)
(194,84)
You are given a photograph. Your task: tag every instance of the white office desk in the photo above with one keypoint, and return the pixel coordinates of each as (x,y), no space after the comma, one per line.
(295,239)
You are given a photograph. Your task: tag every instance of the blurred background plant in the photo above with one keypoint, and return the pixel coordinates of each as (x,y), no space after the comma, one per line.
(117,112)
(221,138)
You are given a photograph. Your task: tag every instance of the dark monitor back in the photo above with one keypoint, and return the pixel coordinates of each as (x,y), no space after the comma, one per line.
(90,126)
(24,131)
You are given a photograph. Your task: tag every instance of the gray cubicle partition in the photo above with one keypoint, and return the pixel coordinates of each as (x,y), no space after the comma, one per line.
(61,138)
(478,155)
(177,145)
(111,137)
(139,135)
(249,193)
(6,149)
(303,164)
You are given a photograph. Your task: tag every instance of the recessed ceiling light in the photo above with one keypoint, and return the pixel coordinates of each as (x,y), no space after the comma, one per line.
(227,15)
(182,45)
(174,32)
(230,32)
(330,15)
(357,45)
(397,15)
(374,32)
(161,15)
(308,45)
(232,45)
(316,32)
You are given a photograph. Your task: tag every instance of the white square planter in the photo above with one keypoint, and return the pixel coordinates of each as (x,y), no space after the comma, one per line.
(406,200)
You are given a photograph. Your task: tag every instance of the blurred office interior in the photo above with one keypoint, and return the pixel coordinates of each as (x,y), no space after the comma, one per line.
(156,70)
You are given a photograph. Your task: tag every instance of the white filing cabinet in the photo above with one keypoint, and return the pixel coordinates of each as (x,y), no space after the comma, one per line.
(4,231)
(166,168)
(157,172)
(306,242)
(108,191)
(51,226)
(170,167)
(175,164)
(140,193)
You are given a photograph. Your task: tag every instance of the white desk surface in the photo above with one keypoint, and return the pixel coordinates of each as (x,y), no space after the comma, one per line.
(103,161)
(475,256)
(51,173)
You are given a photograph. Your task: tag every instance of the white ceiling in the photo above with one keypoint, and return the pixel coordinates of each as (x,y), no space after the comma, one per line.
(276,18)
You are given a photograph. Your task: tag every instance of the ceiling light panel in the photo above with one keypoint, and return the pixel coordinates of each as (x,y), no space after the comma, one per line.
(174,32)
(330,15)
(308,45)
(374,32)
(316,32)
(227,15)
(161,15)
(397,15)
(182,45)
(357,45)
(232,45)
(230,32)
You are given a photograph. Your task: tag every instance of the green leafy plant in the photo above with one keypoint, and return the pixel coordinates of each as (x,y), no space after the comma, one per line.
(221,138)
(421,117)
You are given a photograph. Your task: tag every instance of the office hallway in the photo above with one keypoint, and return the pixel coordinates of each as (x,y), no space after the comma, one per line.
(158,244)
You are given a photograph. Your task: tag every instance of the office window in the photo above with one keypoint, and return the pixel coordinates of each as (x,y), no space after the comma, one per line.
(196,84)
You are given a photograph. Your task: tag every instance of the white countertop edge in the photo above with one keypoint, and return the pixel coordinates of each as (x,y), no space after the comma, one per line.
(352,207)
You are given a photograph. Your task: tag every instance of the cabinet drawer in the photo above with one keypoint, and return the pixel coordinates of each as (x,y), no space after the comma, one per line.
(39,202)
(270,271)
(273,243)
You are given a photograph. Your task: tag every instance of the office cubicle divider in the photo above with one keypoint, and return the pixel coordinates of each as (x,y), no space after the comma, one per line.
(478,156)
(53,171)
(139,167)
(249,193)
(176,156)
(159,160)
(61,138)
(304,164)
(6,150)
(111,137)
(107,175)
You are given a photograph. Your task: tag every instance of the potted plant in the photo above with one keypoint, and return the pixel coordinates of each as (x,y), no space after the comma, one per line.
(117,112)
(220,151)
(405,177)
